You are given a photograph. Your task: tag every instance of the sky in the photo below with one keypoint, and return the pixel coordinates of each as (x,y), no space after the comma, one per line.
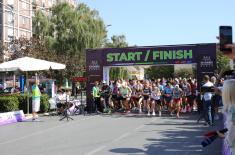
(165,22)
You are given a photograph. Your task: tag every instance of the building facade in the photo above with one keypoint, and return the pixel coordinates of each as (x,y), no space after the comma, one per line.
(71,2)
(49,3)
(16,18)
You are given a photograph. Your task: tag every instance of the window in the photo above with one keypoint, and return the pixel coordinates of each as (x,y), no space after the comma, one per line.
(10,18)
(43,3)
(23,34)
(24,5)
(24,20)
(10,2)
(34,2)
(10,34)
(49,3)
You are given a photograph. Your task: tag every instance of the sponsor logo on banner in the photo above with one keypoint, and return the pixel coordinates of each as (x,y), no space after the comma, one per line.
(206,62)
(94,65)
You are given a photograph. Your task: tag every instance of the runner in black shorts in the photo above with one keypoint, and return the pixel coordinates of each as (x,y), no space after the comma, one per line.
(146,96)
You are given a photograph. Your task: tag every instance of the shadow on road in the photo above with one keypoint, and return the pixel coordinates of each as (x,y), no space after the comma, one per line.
(184,139)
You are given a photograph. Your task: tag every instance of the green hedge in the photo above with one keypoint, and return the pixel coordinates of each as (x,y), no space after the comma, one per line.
(8,103)
(19,102)
(44,103)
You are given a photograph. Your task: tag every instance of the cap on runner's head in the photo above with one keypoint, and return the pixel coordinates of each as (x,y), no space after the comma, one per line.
(104,81)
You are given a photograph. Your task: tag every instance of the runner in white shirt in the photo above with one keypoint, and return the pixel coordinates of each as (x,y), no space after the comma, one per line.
(177,99)
(156,99)
(139,98)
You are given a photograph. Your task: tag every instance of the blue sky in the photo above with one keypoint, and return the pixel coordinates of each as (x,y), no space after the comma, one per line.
(165,22)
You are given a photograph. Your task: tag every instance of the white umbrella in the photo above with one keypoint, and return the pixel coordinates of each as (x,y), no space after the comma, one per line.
(29,64)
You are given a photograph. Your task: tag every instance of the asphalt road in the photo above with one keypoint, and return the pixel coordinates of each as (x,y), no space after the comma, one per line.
(107,135)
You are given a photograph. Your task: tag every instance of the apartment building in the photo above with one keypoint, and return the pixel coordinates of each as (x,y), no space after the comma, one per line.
(71,2)
(49,3)
(15,19)
(16,16)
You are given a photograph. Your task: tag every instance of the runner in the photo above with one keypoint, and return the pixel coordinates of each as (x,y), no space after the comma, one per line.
(115,91)
(167,93)
(146,96)
(104,97)
(133,102)
(125,94)
(177,99)
(187,95)
(139,98)
(156,99)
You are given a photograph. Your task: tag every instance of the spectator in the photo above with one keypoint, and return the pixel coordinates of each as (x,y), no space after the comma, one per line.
(228,98)
(96,96)
(206,102)
(36,94)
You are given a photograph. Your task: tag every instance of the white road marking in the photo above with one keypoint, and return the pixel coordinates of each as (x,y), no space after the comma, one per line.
(121,137)
(142,126)
(39,132)
(96,150)
(139,127)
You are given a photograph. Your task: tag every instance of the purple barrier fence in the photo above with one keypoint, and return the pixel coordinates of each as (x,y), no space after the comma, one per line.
(12,117)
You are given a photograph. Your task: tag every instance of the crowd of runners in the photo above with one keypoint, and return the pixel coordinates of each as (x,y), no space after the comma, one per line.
(147,96)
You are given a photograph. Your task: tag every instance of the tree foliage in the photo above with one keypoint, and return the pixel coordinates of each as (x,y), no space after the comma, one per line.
(154,72)
(223,62)
(62,36)
(118,41)
(184,72)
(2,49)
(118,73)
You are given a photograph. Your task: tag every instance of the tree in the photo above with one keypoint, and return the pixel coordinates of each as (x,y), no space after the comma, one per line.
(117,41)
(184,72)
(41,25)
(118,72)
(65,34)
(2,49)
(74,31)
(160,71)
(223,62)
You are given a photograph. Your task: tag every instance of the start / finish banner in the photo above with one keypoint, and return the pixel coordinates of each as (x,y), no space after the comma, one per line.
(100,60)
(12,117)
(176,55)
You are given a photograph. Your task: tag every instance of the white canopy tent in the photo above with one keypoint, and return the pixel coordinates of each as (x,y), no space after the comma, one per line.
(27,64)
